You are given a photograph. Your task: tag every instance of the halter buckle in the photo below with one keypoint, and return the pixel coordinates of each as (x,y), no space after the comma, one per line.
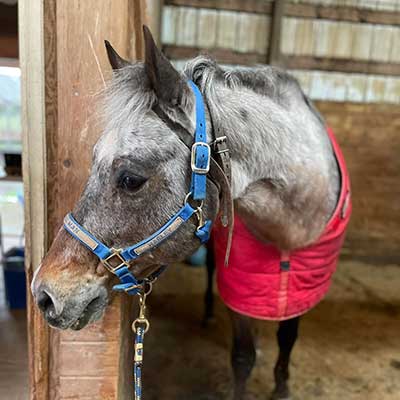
(195,168)
(114,261)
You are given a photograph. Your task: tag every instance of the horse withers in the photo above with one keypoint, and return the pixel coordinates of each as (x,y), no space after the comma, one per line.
(288,183)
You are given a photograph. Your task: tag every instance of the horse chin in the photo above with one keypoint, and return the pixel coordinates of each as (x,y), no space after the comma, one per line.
(92,313)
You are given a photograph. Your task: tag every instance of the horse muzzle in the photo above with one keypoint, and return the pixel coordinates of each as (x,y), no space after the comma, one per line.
(73,310)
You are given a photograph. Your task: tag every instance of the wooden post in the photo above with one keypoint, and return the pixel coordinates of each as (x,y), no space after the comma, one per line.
(278,12)
(34,172)
(154,17)
(64,65)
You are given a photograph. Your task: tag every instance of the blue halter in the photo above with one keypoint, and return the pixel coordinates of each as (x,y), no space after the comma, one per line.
(117,260)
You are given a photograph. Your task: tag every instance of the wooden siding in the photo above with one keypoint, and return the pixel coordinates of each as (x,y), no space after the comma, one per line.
(369,137)
(342,60)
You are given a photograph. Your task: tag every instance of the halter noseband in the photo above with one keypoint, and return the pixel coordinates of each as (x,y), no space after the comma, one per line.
(117,260)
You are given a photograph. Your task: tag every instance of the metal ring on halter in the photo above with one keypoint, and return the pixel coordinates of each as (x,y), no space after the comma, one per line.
(140,321)
(147,287)
(187,200)
(200,217)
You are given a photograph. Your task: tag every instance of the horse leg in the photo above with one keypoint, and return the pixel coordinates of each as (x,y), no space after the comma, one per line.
(287,335)
(243,353)
(209,294)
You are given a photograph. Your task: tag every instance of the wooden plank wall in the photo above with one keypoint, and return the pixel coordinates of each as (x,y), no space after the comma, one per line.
(370,140)
(64,65)
(354,51)
(346,54)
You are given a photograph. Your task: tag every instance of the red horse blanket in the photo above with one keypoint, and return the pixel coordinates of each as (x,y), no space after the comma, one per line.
(264,283)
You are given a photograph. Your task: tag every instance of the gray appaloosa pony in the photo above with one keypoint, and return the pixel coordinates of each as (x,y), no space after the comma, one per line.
(285,183)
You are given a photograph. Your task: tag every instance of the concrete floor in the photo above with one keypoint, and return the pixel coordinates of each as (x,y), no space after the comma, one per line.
(349,345)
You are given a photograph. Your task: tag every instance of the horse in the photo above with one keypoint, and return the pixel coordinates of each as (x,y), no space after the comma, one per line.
(285,186)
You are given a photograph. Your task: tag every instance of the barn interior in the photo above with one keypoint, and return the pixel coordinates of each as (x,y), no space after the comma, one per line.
(346,56)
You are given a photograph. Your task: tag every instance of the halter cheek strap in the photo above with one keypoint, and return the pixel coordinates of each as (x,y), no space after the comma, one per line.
(117,260)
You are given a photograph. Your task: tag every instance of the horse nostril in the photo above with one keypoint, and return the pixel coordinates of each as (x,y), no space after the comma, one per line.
(44,301)
(47,304)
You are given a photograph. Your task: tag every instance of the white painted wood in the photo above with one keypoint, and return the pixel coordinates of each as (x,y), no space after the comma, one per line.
(362,41)
(304,37)
(227,29)
(179,64)
(376,86)
(381,43)
(317,86)
(304,79)
(263,24)
(356,88)
(392,90)
(341,40)
(247,29)
(154,11)
(386,5)
(289,26)
(31,40)
(395,46)
(168,25)
(207,33)
(186,33)
(322,33)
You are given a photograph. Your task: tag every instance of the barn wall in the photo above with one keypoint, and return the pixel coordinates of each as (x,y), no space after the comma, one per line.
(346,55)
(340,51)
(369,137)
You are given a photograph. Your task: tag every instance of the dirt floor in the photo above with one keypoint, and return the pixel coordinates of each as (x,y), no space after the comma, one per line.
(348,349)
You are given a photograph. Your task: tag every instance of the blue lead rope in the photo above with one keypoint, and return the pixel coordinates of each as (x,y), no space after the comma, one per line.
(138,362)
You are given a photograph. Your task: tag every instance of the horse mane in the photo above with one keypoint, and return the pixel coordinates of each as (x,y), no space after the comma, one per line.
(264,80)
(128,93)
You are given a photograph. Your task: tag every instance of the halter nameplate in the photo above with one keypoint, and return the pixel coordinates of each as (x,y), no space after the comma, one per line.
(73,228)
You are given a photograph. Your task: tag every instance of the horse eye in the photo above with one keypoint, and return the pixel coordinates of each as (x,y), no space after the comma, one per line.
(130,182)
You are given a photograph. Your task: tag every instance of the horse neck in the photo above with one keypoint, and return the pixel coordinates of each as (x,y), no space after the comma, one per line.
(282,140)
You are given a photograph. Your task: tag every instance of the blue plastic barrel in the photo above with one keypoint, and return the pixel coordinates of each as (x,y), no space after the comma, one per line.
(14,278)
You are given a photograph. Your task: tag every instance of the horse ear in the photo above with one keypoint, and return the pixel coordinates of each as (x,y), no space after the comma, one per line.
(116,61)
(164,79)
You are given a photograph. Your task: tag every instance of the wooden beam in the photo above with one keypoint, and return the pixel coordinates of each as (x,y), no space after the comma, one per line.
(64,64)
(254,6)
(336,13)
(224,56)
(341,65)
(275,54)
(137,16)
(35,183)
(154,13)
(343,13)
(227,56)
